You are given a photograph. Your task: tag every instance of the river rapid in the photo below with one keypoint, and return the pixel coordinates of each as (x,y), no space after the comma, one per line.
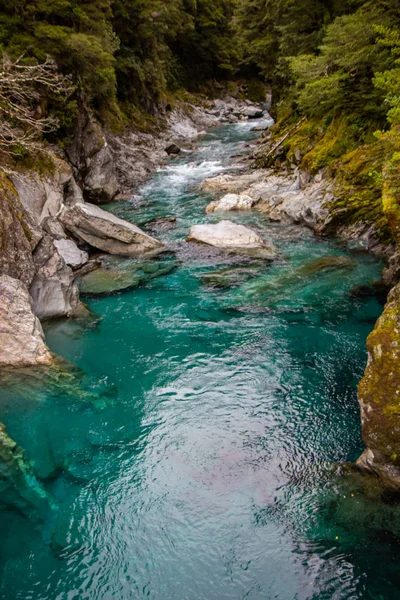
(195,457)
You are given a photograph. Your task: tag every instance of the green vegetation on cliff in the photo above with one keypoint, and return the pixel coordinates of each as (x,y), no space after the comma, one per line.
(333,66)
(335,72)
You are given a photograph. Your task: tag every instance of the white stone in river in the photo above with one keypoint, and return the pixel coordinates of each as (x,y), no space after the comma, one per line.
(231,202)
(233,237)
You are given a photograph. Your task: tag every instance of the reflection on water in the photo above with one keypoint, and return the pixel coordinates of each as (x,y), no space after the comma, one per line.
(193,456)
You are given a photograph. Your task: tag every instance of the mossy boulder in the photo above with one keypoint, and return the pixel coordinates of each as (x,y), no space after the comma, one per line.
(379,397)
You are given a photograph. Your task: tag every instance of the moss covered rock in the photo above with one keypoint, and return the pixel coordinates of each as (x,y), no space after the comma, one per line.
(379,397)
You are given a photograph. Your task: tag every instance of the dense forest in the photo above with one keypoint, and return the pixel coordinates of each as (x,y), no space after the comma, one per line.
(334,62)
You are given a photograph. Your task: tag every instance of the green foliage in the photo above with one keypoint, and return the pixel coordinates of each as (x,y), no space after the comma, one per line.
(340,78)
(131,51)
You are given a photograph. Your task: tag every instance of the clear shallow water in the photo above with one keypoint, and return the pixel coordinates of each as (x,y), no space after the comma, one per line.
(193,458)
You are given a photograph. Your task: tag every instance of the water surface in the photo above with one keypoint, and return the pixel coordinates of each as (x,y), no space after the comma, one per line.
(193,458)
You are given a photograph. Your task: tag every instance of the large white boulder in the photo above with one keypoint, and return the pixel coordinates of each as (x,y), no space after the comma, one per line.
(21,335)
(105,231)
(231,202)
(232,237)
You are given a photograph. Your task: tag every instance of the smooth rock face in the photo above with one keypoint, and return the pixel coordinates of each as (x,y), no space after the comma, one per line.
(231,202)
(107,232)
(18,236)
(69,251)
(93,162)
(233,237)
(21,336)
(42,196)
(53,227)
(54,292)
(379,397)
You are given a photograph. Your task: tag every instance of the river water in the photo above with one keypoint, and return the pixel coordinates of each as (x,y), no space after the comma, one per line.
(194,459)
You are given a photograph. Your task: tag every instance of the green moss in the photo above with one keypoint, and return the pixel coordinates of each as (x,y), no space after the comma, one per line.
(379,389)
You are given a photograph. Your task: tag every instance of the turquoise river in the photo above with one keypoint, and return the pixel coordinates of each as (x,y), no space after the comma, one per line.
(194,455)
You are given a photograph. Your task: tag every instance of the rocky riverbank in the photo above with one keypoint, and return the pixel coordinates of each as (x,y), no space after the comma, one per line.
(289,194)
(51,228)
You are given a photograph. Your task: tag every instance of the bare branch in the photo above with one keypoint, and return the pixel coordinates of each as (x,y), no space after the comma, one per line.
(22,87)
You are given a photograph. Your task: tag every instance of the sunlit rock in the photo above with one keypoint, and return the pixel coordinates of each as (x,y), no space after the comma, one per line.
(231,202)
(107,232)
(21,335)
(232,237)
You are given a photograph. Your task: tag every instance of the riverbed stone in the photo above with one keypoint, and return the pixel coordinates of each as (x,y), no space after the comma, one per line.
(21,336)
(19,488)
(232,237)
(117,274)
(109,233)
(231,202)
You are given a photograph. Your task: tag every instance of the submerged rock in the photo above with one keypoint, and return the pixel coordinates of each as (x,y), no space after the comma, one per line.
(326,263)
(378,395)
(161,224)
(232,237)
(19,488)
(21,335)
(105,231)
(230,277)
(116,275)
(231,202)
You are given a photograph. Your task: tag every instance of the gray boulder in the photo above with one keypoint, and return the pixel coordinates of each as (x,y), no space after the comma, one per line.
(253,112)
(232,237)
(19,235)
(231,202)
(42,196)
(93,161)
(21,335)
(107,232)
(53,227)
(72,255)
(53,290)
